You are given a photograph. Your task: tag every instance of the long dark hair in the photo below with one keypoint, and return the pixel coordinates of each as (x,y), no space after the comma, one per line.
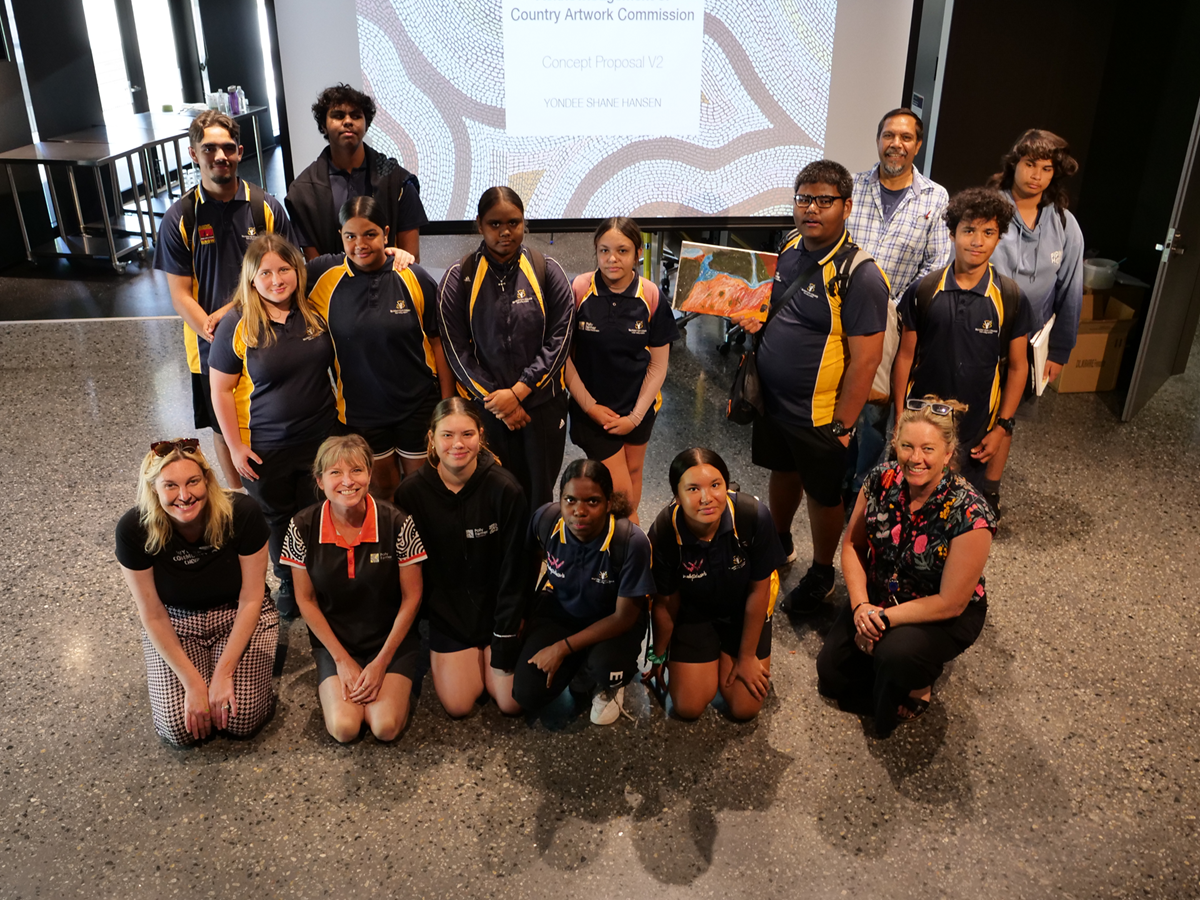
(454,406)
(363,207)
(500,194)
(618,503)
(1039,144)
(623,225)
(694,456)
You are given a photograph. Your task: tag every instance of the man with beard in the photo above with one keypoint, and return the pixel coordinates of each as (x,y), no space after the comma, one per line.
(201,243)
(897,218)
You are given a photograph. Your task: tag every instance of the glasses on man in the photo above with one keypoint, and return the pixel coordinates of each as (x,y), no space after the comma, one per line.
(938,409)
(183,445)
(823,201)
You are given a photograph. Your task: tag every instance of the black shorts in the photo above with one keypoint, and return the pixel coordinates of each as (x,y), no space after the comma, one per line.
(202,408)
(404,662)
(704,642)
(407,437)
(449,642)
(588,436)
(813,452)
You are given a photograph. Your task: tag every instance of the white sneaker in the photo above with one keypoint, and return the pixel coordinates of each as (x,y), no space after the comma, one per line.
(606,705)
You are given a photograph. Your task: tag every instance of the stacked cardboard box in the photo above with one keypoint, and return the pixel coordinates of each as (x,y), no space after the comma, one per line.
(1104,324)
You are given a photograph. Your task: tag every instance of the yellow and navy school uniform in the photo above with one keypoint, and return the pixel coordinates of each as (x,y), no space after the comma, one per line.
(804,351)
(381,323)
(713,578)
(959,354)
(212,255)
(357,584)
(614,332)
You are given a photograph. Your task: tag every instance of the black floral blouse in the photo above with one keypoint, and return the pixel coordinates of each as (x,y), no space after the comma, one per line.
(908,552)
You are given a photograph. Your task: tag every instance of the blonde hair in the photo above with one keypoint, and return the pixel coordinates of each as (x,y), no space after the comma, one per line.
(350,447)
(218,508)
(944,424)
(256,320)
(454,406)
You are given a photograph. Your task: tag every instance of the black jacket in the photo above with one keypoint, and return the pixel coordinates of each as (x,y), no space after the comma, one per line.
(310,200)
(476,586)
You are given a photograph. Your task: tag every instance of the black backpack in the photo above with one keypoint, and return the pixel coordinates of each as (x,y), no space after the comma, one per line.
(258,203)
(469,263)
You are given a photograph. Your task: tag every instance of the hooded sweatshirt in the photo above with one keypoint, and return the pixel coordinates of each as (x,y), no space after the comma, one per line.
(475,575)
(1046,262)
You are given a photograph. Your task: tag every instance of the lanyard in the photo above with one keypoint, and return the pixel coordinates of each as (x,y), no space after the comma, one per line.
(906,526)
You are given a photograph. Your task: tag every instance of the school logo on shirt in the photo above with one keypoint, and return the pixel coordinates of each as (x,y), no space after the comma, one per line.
(639,327)
(522,297)
(987,327)
(811,290)
(738,562)
(380,557)
(207,236)
(554,566)
(602,577)
(251,231)
(401,308)
(694,569)
(483,532)
(584,325)
(1056,257)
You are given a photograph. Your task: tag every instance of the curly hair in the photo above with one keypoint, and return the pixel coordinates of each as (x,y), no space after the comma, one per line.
(826,171)
(978,203)
(341,95)
(1039,144)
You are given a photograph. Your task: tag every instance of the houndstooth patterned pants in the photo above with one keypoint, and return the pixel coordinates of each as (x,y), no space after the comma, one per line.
(203,635)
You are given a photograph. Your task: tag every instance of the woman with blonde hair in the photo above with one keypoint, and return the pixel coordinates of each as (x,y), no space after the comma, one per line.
(357,574)
(271,387)
(913,559)
(195,559)
(472,516)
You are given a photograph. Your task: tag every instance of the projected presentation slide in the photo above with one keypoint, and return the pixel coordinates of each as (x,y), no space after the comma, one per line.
(591,108)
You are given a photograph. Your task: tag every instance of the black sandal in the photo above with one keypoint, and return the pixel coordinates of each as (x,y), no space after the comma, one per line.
(916,708)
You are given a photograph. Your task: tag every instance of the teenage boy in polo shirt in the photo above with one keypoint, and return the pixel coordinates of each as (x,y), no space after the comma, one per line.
(348,168)
(962,327)
(816,360)
(202,253)
(897,218)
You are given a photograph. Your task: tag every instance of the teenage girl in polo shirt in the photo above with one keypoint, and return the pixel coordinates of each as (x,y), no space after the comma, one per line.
(473,517)
(506,337)
(269,366)
(590,620)
(358,584)
(390,367)
(715,552)
(618,358)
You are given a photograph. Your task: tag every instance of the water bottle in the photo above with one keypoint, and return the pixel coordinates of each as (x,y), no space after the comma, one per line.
(242,105)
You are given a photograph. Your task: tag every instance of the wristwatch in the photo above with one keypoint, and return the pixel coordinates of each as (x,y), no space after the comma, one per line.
(837,429)
(1006,424)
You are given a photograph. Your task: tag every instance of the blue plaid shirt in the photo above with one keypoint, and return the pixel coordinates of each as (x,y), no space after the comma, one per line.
(914,241)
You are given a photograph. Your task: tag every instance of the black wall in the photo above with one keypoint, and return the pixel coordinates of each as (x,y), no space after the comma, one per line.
(58,64)
(234,48)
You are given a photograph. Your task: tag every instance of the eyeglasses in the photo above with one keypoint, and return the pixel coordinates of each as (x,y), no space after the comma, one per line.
(938,409)
(823,201)
(183,445)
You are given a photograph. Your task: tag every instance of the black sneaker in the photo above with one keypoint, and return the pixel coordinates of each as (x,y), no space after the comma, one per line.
(806,597)
(789,547)
(285,601)
(993,500)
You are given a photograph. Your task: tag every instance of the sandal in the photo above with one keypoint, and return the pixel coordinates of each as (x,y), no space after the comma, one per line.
(914,708)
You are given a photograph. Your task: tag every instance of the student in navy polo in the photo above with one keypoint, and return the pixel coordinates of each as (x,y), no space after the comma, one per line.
(270,371)
(816,360)
(619,354)
(954,346)
(358,583)
(588,621)
(390,367)
(715,552)
(203,262)
(507,336)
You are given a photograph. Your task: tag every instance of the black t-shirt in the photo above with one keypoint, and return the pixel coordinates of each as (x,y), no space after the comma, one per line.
(357,585)
(712,577)
(195,576)
(579,576)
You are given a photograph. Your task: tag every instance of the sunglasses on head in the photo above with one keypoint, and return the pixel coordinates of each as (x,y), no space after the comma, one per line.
(938,409)
(183,445)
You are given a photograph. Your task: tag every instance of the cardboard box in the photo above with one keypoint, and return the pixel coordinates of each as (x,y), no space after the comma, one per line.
(1129,291)
(1096,360)
(1094,302)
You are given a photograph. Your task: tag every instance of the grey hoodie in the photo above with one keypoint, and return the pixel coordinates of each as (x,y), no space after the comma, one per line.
(1047,263)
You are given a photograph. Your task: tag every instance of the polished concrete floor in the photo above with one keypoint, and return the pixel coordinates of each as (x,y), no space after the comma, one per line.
(1060,757)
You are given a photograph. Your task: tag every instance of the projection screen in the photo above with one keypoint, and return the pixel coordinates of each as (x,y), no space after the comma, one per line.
(661,109)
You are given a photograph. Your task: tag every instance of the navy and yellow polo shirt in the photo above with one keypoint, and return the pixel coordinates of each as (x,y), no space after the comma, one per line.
(381,323)
(613,336)
(357,584)
(713,577)
(285,395)
(223,231)
(803,355)
(579,575)
(958,355)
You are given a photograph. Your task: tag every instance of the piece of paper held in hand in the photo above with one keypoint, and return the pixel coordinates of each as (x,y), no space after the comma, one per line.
(724,281)
(1041,352)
